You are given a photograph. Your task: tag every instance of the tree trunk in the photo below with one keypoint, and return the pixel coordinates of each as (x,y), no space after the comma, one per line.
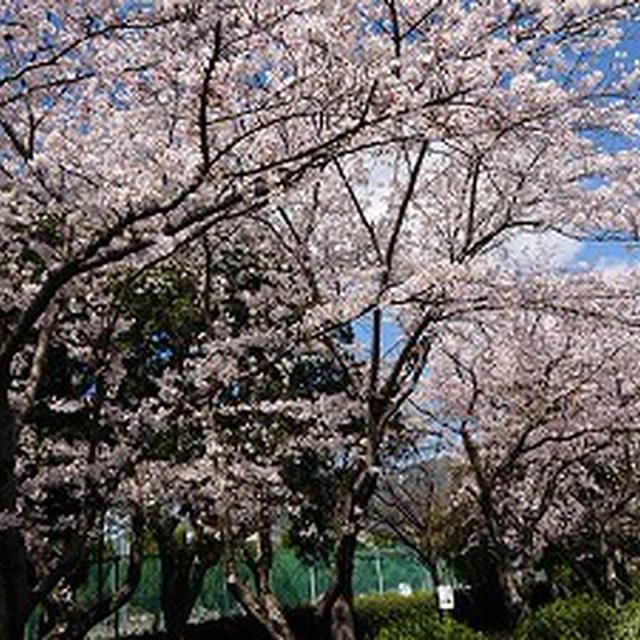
(264,608)
(343,625)
(184,565)
(82,619)
(262,605)
(335,611)
(528,588)
(175,597)
(13,556)
(614,578)
(183,571)
(13,585)
(513,601)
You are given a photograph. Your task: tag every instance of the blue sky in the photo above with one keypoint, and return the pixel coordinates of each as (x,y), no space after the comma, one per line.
(600,255)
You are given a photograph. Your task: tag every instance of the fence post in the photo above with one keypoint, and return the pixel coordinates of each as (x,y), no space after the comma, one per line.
(225,596)
(116,586)
(379,571)
(313,588)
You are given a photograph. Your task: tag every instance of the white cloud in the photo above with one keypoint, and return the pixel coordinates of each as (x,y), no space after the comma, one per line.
(546,251)
(614,266)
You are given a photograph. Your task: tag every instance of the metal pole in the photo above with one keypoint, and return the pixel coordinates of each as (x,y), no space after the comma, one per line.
(379,572)
(427,581)
(312,584)
(115,588)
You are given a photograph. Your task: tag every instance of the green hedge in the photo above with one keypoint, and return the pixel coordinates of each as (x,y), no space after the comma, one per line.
(581,617)
(415,617)
(375,612)
(628,624)
(428,626)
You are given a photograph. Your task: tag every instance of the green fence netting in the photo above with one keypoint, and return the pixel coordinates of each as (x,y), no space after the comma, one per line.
(376,570)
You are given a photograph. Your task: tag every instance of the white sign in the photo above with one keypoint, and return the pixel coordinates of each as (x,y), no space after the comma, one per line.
(445,597)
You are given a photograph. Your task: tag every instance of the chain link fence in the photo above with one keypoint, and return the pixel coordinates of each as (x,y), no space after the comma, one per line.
(296,583)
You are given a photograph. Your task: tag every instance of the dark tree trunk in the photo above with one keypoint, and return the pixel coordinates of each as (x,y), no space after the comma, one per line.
(82,619)
(176,596)
(513,602)
(13,556)
(13,585)
(183,571)
(263,604)
(335,611)
(265,609)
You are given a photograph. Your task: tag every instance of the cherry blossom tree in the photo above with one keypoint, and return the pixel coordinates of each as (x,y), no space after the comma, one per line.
(265,403)
(162,316)
(600,544)
(536,403)
(127,131)
(199,389)
(224,399)
(130,132)
(75,450)
(504,152)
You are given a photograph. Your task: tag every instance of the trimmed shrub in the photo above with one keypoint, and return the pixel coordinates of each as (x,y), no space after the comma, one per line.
(415,617)
(628,625)
(375,612)
(581,617)
(429,626)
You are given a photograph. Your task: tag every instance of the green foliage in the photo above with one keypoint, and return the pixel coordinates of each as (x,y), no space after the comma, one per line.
(376,612)
(163,307)
(48,229)
(428,627)
(415,617)
(563,576)
(628,624)
(581,617)
(181,441)
(309,532)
